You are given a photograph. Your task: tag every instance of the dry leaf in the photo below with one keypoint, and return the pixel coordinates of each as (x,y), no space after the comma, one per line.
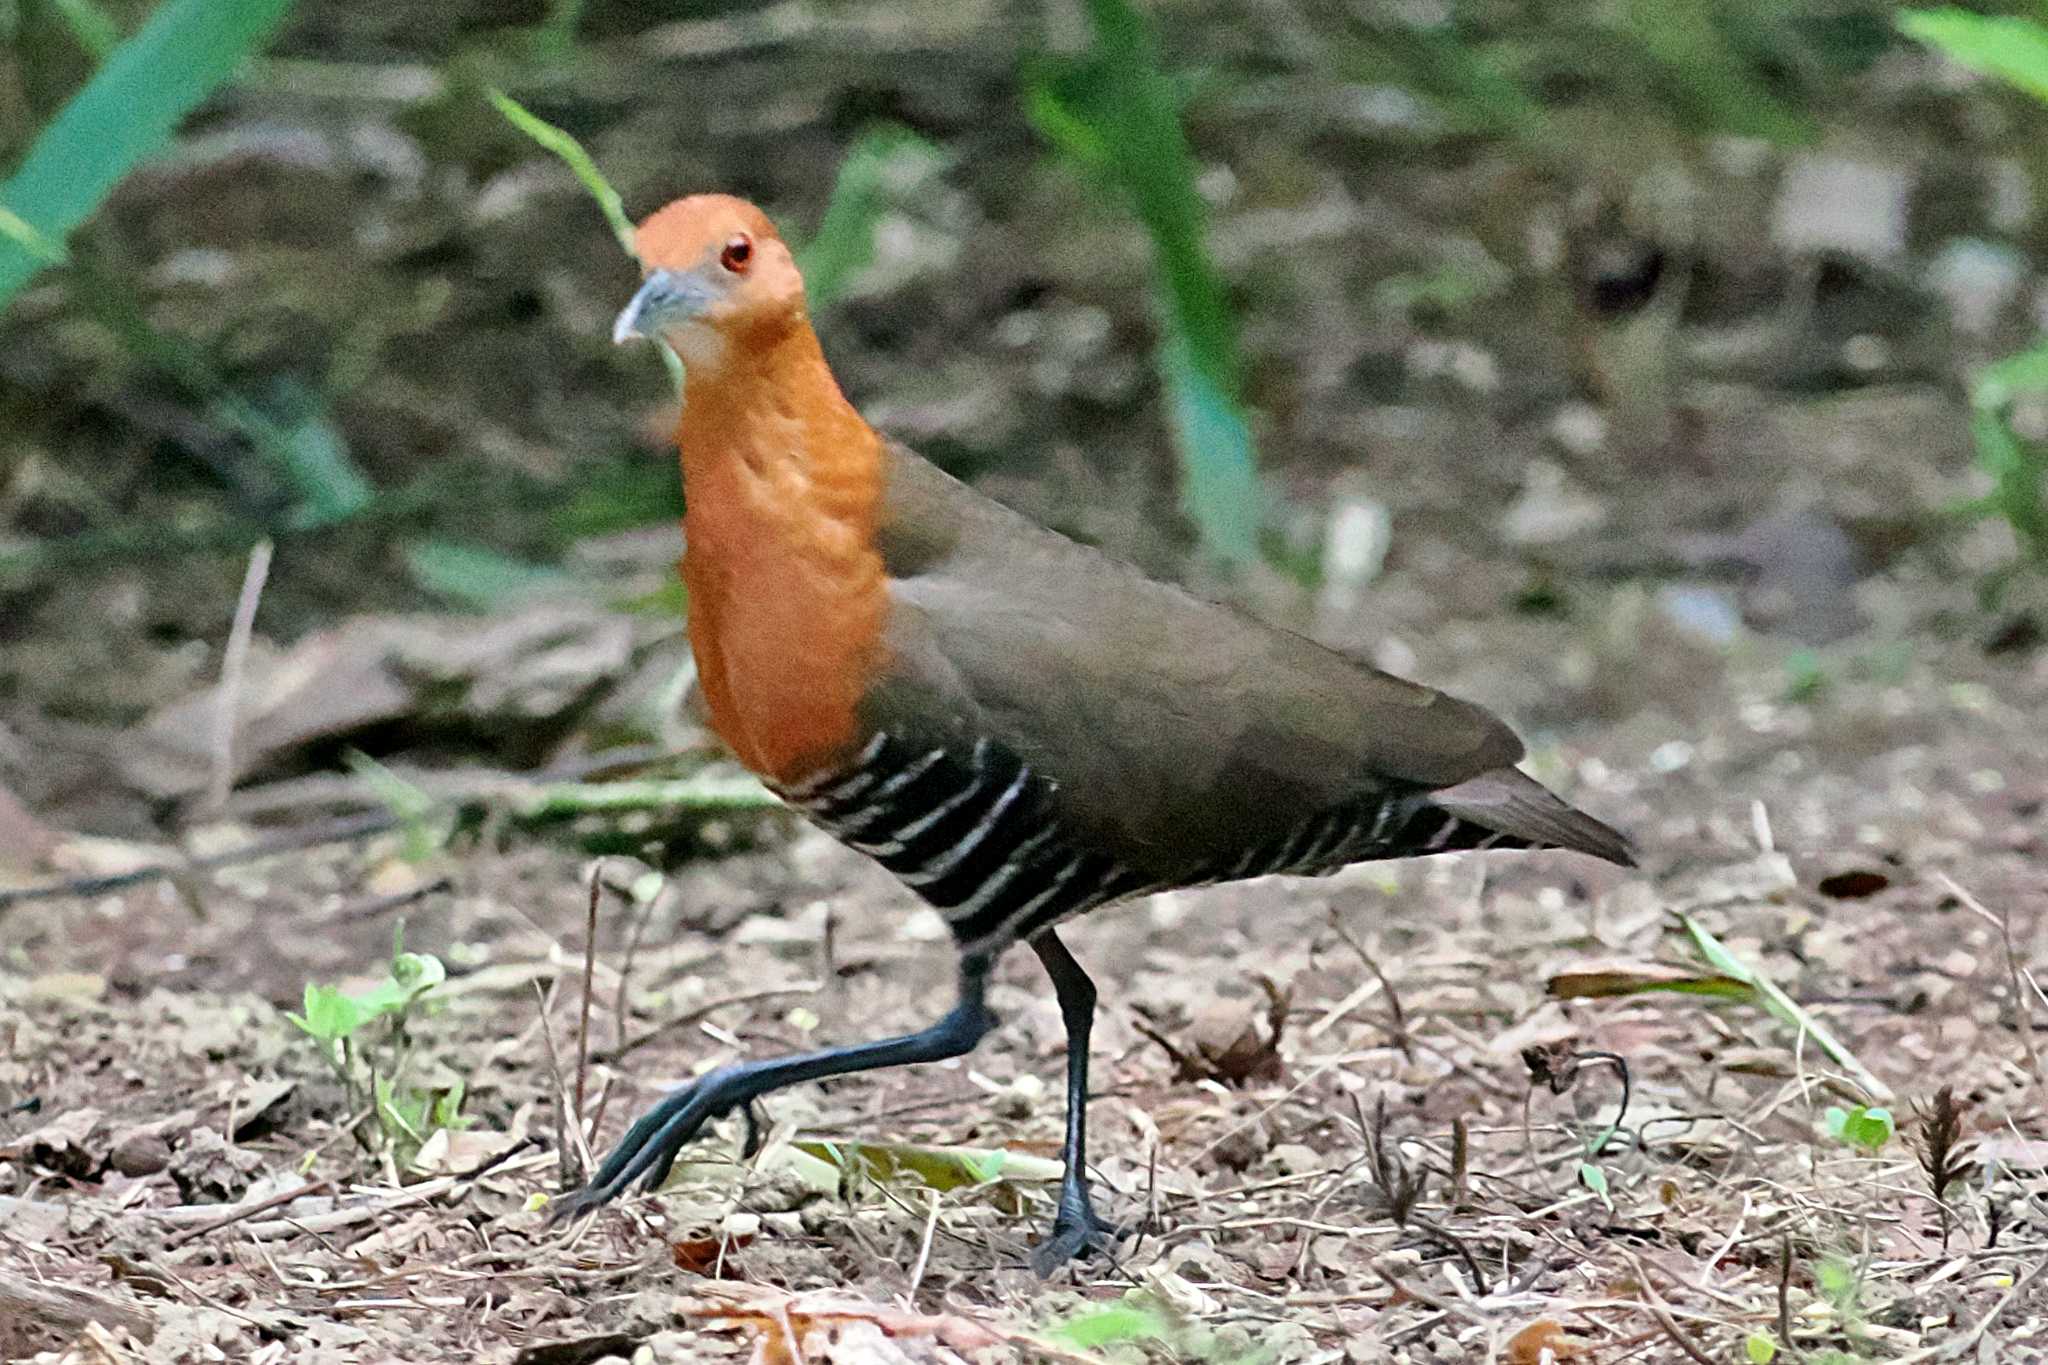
(1593,981)
(781,1320)
(1542,1341)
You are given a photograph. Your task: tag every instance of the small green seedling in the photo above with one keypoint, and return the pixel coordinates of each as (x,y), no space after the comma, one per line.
(1866,1127)
(334,1016)
(374,1071)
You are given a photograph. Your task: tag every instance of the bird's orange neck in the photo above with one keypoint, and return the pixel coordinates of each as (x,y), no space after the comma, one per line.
(782,488)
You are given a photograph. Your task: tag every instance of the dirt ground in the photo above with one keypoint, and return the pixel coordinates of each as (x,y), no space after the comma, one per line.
(173,1095)
(1705,558)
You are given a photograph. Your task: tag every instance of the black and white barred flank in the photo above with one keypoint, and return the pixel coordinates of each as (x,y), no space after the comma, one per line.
(975,833)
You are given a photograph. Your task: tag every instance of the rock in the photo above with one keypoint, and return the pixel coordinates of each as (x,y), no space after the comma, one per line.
(1831,202)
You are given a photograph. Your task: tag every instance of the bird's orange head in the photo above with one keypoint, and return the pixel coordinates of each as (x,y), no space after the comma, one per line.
(717,275)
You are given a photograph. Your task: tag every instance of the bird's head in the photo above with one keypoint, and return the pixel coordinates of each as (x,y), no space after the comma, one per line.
(717,276)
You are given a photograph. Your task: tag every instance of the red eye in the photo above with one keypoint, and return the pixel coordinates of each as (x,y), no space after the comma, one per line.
(737,253)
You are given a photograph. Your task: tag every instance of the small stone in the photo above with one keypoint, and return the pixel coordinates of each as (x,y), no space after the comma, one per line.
(1830,202)
(1293,1158)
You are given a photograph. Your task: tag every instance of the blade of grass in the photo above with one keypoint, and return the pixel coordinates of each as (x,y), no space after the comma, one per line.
(127,111)
(573,156)
(584,167)
(2013,50)
(476,575)
(93,28)
(1117,115)
(845,242)
(1782,1007)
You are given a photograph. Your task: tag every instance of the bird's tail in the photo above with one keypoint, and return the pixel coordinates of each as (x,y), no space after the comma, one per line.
(1510,802)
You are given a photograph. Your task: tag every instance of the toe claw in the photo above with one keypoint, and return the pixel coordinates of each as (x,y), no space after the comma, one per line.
(1075,1235)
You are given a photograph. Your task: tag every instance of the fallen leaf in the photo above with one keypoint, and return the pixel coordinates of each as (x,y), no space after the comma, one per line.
(449,1152)
(1226,1043)
(708,1256)
(939,1168)
(1542,1341)
(781,1319)
(75,1143)
(255,1104)
(79,988)
(1600,981)
(580,1351)
(210,1170)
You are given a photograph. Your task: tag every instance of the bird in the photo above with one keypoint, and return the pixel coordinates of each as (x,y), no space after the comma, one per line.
(1020,727)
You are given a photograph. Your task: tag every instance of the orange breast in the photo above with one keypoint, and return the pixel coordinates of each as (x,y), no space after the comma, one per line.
(787,604)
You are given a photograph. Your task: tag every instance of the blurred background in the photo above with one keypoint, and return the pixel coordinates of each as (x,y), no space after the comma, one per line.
(1621,365)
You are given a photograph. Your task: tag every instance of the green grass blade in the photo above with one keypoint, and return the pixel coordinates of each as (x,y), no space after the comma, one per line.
(2006,380)
(2014,50)
(584,167)
(92,27)
(1782,1006)
(579,162)
(128,110)
(476,575)
(1117,115)
(845,243)
(1217,462)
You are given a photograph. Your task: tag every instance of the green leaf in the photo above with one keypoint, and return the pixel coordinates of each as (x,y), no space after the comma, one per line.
(584,167)
(1998,384)
(94,29)
(1782,1006)
(1117,114)
(941,1168)
(2014,50)
(475,575)
(307,449)
(579,162)
(409,804)
(1760,1348)
(1599,983)
(1217,463)
(1595,1179)
(1111,1325)
(845,243)
(1865,1127)
(123,114)
(416,973)
(329,1014)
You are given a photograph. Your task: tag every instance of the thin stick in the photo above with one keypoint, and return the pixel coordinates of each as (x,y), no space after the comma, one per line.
(1662,1314)
(924,1251)
(311,1187)
(2023,1013)
(1785,1299)
(691,1016)
(573,1144)
(341,831)
(234,664)
(589,971)
(1400,1016)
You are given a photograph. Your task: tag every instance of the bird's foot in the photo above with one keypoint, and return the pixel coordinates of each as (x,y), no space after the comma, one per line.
(649,1148)
(1077,1232)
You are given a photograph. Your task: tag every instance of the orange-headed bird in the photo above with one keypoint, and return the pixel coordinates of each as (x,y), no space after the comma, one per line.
(1019,727)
